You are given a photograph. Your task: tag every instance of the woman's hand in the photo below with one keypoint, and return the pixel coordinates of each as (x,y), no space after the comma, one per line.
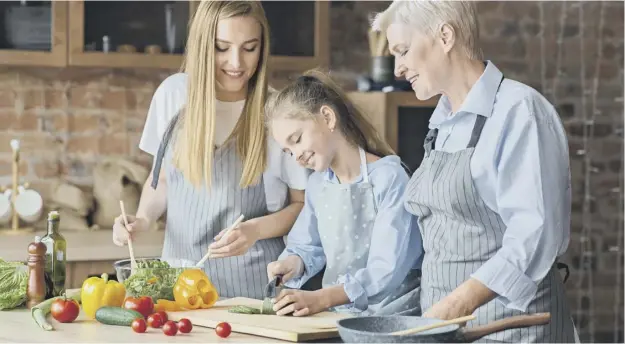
(448,308)
(463,301)
(121,233)
(289,267)
(299,302)
(237,242)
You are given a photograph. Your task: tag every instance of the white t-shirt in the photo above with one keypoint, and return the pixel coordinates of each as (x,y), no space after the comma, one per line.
(282,172)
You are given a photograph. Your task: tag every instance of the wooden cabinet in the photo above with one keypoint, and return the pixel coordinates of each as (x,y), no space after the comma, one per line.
(146,34)
(401,119)
(78,272)
(300,37)
(34,34)
(100,30)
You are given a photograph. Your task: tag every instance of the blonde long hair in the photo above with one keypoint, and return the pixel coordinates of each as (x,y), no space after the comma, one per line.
(304,98)
(195,144)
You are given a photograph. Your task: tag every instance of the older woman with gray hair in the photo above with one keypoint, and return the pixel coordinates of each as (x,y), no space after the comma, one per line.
(492,193)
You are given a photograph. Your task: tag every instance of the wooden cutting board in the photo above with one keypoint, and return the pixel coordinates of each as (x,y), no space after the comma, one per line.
(293,329)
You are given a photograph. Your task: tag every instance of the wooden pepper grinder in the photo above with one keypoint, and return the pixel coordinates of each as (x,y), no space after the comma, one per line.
(36,290)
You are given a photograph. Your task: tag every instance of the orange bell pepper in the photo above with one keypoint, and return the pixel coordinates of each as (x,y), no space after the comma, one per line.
(194,290)
(167,306)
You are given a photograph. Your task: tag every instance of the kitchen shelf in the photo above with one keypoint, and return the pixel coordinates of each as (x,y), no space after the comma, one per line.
(90,21)
(299,38)
(20,45)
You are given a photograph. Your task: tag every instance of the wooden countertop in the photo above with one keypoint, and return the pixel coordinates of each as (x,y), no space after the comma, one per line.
(85,245)
(18,326)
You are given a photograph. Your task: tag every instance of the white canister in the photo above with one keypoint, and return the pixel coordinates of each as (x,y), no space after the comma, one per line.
(5,209)
(29,205)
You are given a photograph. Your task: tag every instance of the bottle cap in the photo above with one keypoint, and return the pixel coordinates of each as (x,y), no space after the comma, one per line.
(53,215)
(37,239)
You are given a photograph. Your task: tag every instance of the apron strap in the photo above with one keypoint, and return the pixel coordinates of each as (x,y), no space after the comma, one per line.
(560,266)
(162,148)
(477,131)
(430,139)
(479,124)
(363,165)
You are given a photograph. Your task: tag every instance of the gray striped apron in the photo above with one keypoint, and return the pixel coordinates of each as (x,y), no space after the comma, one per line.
(195,215)
(460,233)
(345,217)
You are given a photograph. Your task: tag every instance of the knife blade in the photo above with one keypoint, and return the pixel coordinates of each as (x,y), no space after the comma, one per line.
(270,288)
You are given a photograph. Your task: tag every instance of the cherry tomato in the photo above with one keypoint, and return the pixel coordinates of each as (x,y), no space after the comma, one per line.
(143,305)
(184,325)
(155,320)
(223,329)
(163,315)
(65,310)
(170,328)
(139,326)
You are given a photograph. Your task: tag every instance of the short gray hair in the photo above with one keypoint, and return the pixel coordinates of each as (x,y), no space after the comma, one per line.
(428,15)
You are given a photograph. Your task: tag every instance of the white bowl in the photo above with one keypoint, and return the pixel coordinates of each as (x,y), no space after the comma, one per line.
(29,205)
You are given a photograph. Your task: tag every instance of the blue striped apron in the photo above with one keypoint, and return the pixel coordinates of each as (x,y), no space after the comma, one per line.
(195,215)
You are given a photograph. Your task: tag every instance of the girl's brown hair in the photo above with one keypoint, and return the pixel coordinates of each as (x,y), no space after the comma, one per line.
(304,98)
(195,144)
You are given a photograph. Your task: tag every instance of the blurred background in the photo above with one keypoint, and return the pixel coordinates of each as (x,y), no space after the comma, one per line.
(76,80)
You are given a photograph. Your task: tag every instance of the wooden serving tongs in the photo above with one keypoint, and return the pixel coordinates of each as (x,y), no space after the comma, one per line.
(133,262)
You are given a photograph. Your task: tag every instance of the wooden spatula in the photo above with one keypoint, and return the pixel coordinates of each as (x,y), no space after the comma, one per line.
(414,330)
(133,262)
(236,223)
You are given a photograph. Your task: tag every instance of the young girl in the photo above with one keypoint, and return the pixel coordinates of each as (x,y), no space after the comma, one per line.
(353,221)
(214,162)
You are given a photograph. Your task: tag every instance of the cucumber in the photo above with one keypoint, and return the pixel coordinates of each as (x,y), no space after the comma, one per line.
(116,316)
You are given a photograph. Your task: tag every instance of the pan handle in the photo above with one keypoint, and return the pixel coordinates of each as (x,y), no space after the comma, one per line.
(474,333)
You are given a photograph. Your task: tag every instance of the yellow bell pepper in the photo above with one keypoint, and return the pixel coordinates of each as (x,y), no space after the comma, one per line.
(97,292)
(194,290)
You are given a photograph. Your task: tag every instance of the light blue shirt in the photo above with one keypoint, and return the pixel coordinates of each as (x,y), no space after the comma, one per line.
(520,168)
(395,246)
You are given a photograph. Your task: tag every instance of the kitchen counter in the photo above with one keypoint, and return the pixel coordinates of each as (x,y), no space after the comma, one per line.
(85,245)
(18,326)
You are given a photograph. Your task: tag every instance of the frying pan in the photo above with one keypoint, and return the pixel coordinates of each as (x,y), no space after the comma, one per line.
(377,329)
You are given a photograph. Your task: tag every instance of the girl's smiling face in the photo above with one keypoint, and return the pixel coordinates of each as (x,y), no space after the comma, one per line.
(311,141)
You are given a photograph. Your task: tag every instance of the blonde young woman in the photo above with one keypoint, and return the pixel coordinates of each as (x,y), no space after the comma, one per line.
(213,160)
(493,191)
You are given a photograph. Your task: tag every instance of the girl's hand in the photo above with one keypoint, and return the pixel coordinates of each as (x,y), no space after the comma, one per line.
(236,242)
(299,302)
(289,267)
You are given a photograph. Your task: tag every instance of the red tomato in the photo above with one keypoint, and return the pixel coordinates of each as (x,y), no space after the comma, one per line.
(223,329)
(184,325)
(143,305)
(163,315)
(65,310)
(155,320)
(139,326)
(170,328)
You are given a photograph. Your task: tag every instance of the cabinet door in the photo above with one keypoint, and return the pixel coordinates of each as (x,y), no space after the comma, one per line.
(126,34)
(299,33)
(33,33)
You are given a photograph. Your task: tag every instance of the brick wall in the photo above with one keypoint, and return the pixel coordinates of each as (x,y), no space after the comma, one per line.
(68,119)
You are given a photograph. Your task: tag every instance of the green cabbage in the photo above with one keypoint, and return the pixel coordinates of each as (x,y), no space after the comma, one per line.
(13,284)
